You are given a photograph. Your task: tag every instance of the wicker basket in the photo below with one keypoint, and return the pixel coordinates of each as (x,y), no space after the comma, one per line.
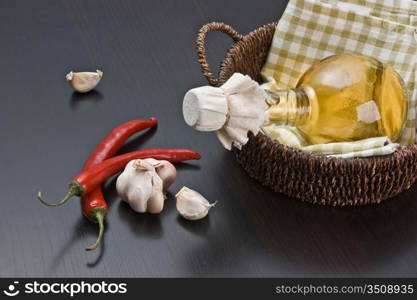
(307,177)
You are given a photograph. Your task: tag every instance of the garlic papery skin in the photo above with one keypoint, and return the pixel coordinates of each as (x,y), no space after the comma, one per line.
(191,205)
(84,82)
(165,170)
(141,187)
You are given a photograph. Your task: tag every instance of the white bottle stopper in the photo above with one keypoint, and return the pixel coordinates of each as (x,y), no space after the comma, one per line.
(205,108)
(232,110)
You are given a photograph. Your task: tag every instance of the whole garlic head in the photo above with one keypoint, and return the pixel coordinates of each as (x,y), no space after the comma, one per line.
(141,187)
(192,205)
(84,82)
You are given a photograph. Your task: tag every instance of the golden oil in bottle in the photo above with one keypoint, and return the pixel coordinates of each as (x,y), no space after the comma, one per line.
(343,98)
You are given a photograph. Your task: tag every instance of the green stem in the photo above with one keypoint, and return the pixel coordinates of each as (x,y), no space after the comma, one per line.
(98,215)
(75,189)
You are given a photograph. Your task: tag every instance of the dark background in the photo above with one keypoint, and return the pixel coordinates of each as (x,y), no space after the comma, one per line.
(147,52)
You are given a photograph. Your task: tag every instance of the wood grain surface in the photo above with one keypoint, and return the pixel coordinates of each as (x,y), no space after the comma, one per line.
(147,52)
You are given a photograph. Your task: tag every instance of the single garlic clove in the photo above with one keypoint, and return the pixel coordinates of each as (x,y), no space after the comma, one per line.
(165,170)
(168,173)
(134,186)
(157,200)
(84,82)
(192,205)
(143,165)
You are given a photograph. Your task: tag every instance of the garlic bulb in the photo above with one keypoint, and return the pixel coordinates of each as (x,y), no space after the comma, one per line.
(232,110)
(141,187)
(84,82)
(192,205)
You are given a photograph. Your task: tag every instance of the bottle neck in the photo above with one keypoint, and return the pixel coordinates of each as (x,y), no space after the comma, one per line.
(290,107)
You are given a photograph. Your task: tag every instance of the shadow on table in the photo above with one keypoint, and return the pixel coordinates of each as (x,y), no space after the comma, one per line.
(199,228)
(77,98)
(333,240)
(269,234)
(141,225)
(81,228)
(187,166)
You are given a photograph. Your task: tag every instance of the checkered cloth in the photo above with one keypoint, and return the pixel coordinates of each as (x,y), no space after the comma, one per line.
(400,11)
(369,147)
(310,30)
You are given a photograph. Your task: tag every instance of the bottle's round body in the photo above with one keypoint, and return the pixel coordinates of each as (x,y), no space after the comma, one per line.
(352,97)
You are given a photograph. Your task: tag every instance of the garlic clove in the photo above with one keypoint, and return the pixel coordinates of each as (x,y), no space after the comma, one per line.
(165,170)
(142,192)
(134,186)
(157,199)
(143,164)
(168,173)
(84,82)
(191,205)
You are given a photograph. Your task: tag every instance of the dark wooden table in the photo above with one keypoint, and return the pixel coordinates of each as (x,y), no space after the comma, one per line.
(146,50)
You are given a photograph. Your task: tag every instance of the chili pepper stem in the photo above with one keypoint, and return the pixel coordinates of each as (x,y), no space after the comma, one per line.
(98,216)
(75,189)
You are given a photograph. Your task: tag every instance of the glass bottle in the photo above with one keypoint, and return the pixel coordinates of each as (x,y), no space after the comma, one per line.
(343,98)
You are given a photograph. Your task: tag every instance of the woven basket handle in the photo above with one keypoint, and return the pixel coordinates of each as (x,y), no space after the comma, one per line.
(201,46)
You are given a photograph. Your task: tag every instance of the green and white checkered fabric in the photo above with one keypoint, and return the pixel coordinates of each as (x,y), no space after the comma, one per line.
(369,147)
(401,11)
(310,30)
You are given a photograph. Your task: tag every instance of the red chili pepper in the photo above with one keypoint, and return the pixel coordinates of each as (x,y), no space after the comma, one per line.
(115,140)
(95,208)
(93,205)
(90,179)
